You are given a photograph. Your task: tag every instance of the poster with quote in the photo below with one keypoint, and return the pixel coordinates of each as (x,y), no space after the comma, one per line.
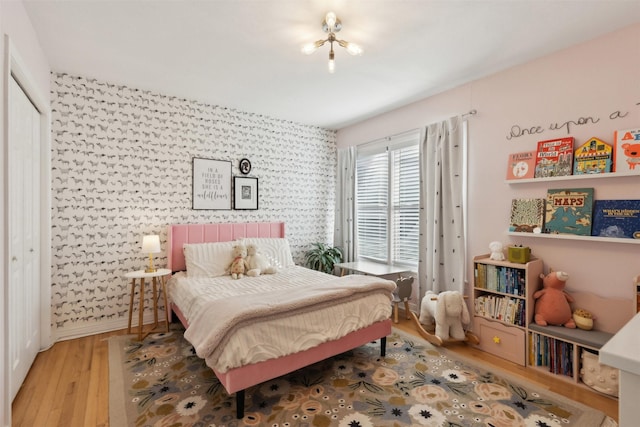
(211,184)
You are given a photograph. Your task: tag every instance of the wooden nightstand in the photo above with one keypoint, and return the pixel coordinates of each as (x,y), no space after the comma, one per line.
(141,275)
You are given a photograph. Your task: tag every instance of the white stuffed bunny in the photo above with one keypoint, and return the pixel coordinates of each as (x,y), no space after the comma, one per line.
(449,312)
(258,263)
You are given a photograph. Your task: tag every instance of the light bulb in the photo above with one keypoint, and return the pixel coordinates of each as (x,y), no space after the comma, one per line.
(332,61)
(332,66)
(354,49)
(330,19)
(309,48)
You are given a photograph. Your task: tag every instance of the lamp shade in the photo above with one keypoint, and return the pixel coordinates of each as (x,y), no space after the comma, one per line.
(151,244)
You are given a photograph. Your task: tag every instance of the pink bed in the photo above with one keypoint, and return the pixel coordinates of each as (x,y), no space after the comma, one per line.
(238,379)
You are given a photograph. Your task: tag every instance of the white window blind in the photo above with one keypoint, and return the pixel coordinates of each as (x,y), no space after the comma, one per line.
(387,196)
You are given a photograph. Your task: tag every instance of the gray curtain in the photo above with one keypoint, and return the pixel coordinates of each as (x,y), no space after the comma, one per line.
(344,235)
(442,256)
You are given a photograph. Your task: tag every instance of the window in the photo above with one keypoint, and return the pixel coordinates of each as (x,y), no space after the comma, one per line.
(388,199)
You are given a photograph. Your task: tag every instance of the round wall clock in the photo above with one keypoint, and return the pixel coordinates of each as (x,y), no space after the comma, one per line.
(245,166)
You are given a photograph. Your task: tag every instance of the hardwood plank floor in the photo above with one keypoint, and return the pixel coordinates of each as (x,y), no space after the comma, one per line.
(68,385)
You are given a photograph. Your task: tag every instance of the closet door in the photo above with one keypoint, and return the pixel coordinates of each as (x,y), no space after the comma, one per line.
(24,234)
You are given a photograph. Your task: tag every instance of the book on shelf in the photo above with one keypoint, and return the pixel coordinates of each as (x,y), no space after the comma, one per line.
(569,211)
(521,165)
(592,157)
(554,157)
(626,153)
(526,215)
(616,218)
(555,354)
(498,307)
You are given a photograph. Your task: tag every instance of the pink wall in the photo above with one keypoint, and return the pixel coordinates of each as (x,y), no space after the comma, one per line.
(594,79)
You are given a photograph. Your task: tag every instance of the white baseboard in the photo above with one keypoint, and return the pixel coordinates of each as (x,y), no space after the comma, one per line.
(70,333)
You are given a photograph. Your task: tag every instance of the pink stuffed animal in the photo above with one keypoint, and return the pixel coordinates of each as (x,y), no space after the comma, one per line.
(552,302)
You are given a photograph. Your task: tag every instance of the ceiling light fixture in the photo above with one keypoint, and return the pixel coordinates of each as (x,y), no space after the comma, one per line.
(331,25)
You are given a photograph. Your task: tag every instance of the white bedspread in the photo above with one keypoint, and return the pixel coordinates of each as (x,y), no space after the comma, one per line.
(211,306)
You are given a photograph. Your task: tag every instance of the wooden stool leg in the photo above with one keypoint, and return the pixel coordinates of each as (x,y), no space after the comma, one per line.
(133,291)
(166,303)
(406,310)
(141,310)
(395,312)
(155,303)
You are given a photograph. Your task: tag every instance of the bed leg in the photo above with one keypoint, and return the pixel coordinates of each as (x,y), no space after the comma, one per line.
(383,346)
(240,404)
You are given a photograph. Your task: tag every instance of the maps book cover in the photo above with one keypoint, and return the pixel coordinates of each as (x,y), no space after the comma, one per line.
(569,211)
(594,156)
(521,165)
(554,157)
(526,215)
(616,218)
(626,152)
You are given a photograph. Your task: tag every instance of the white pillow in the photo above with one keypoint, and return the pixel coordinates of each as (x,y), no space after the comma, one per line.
(275,249)
(208,259)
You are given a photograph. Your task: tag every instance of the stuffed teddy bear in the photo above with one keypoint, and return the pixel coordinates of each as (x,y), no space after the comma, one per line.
(257,263)
(496,251)
(238,266)
(552,302)
(449,311)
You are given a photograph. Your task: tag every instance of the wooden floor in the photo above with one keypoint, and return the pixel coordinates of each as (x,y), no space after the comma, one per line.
(68,384)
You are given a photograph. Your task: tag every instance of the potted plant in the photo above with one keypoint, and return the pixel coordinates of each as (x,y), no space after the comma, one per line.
(323,257)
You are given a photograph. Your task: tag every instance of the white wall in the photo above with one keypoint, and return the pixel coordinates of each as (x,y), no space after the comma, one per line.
(592,80)
(15,24)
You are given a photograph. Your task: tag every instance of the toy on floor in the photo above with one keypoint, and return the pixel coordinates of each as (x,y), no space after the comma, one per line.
(552,302)
(448,311)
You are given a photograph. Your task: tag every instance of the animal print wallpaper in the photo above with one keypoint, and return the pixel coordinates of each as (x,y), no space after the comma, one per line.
(122,168)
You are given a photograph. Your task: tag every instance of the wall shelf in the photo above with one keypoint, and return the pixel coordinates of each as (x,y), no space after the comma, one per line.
(570,178)
(575,237)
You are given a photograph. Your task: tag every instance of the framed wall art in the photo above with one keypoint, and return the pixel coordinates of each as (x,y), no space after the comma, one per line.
(245,193)
(211,184)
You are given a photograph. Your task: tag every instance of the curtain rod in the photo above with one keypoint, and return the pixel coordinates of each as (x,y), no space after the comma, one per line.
(470,113)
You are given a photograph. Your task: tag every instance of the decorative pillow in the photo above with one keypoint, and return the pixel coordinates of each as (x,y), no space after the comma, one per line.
(600,377)
(208,259)
(276,250)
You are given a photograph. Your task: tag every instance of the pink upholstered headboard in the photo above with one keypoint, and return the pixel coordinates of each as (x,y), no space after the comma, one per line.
(179,234)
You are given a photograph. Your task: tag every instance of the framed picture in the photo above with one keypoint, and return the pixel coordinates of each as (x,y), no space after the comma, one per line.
(245,193)
(211,184)
(245,166)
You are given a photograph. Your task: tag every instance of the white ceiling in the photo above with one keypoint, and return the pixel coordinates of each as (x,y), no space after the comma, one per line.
(245,54)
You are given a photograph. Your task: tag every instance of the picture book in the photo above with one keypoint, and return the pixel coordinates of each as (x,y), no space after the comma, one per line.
(521,165)
(569,211)
(594,156)
(526,215)
(616,218)
(554,157)
(627,151)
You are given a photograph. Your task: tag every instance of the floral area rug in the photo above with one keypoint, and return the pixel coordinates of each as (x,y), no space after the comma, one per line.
(160,382)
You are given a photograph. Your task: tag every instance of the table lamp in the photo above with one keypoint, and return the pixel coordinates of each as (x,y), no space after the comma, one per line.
(151,245)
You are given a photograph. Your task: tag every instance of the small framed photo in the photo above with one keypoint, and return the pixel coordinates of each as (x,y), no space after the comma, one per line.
(211,184)
(245,193)
(245,166)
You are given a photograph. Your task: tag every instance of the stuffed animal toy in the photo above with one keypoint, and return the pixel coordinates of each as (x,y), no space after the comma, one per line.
(497,252)
(238,266)
(552,302)
(257,263)
(449,311)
